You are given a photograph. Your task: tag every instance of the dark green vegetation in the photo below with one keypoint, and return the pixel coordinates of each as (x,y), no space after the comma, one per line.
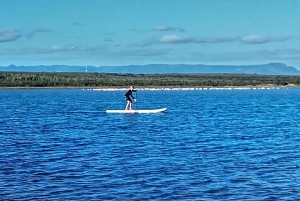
(24,79)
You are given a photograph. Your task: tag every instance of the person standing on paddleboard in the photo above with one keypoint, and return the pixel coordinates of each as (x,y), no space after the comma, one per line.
(127,97)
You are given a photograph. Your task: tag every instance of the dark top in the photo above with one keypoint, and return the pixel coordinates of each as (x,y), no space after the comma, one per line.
(129,93)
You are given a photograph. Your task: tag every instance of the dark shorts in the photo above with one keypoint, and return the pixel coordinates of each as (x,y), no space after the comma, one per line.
(128,99)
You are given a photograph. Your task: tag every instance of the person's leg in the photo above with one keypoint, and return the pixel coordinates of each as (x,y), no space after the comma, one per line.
(130,105)
(128,102)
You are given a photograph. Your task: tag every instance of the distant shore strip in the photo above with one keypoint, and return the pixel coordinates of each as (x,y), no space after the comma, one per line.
(189,89)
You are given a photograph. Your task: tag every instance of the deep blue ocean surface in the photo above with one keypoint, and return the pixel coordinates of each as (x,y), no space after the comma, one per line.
(59,144)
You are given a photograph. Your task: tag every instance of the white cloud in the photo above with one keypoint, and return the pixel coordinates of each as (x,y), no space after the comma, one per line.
(167,28)
(215,40)
(9,35)
(175,39)
(255,39)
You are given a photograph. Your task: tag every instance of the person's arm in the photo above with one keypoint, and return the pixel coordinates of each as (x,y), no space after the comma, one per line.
(132,95)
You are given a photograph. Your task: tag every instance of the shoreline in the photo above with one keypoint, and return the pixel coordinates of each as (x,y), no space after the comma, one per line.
(153,88)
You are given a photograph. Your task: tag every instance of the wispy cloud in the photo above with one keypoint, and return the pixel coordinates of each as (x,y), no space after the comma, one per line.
(36,51)
(282,55)
(113,54)
(255,39)
(175,39)
(145,52)
(145,43)
(37,31)
(110,55)
(287,54)
(167,28)
(100,53)
(9,35)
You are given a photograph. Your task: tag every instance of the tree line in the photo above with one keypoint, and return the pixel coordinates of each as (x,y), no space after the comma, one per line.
(55,79)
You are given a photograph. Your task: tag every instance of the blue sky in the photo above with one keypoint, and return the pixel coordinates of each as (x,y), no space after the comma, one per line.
(121,32)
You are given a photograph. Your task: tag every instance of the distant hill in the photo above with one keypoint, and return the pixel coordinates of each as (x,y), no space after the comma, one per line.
(263,69)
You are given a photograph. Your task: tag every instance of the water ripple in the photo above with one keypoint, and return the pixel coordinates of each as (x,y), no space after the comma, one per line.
(209,145)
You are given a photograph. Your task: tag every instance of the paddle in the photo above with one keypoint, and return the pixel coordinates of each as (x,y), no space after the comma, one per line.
(136,100)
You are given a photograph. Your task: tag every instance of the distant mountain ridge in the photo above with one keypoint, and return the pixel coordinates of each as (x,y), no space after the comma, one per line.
(263,69)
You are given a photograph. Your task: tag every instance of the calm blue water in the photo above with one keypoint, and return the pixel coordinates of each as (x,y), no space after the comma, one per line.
(209,145)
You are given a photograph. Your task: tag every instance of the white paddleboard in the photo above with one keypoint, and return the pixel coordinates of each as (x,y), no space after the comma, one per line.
(136,111)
